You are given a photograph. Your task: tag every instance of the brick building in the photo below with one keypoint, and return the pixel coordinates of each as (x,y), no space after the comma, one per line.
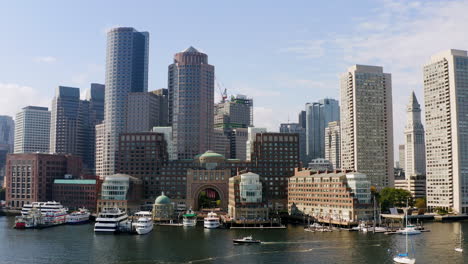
(274,157)
(144,156)
(76,193)
(30,176)
(339,196)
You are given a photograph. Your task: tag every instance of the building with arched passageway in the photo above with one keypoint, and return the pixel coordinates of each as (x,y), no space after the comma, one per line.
(208,181)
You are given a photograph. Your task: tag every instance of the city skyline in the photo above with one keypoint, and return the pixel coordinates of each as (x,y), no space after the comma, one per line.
(321,58)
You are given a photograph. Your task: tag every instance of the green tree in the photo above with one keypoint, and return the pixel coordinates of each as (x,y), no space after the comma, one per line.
(420,203)
(391,197)
(2,194)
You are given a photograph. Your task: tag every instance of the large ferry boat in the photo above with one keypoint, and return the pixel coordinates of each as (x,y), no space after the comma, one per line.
(144,224)
(43,207)
(109,220)
(190,218)
(211,221)
(78,217)
(53,218)
(32,220)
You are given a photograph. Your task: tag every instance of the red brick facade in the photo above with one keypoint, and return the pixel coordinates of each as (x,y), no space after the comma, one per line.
(30,177)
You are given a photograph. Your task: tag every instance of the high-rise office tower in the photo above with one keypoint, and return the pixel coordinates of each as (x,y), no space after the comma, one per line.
(32,130)
(163,97)
(191,100)
(318,115)
(142,112)
(401,156)
(7,133)
(99,150)
(64,126)
(446,112)
(234,113)
(367,123)
(303,119)
(126,72)
(415,148)
(333,144)
(229,115)
(73,122)
(298,129)
(238,141)
(91,114)
(251,137)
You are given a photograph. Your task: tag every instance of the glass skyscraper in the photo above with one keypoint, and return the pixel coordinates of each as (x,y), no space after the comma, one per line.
(126,72)
(318,115)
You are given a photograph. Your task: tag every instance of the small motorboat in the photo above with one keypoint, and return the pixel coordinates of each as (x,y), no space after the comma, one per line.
(246,240)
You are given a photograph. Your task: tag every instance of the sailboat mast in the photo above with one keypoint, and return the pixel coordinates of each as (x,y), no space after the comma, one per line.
(406,216)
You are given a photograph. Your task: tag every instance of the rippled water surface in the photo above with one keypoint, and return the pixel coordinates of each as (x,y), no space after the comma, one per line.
(79,244)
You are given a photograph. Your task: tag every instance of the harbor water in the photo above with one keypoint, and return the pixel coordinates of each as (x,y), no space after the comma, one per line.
(166,244)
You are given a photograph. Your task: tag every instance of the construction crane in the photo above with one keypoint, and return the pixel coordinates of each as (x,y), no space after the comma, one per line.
(221,92)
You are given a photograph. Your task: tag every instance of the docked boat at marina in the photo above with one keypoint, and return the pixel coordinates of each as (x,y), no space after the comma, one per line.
(190,218)
(33,219)
(43,207)
(211,221)
(246,240)
(41,215)
(410,230)
(110,220)
(78,217)
(144,224)
(54,218)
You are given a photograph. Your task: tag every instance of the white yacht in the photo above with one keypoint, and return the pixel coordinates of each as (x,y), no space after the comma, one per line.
(410,230)
(78,217)
(43,207)
(190,218)
(144,224)
(211,221)
(109,220)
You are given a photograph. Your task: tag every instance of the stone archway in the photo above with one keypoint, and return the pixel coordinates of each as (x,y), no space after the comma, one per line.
(218,189)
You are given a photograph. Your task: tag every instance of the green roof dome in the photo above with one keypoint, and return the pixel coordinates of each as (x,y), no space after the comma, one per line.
(162,199)
(211,154)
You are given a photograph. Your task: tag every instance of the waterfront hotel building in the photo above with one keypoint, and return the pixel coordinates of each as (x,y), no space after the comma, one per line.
(143,155)
(342,197)
(446,112)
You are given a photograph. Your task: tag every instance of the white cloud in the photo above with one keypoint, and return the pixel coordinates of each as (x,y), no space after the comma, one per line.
(401,36)
(16,96)
(93,73)
(307,48)
(266,117)
(253,92)
(45,59)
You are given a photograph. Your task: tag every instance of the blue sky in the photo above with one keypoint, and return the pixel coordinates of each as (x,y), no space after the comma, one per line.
(281,53)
